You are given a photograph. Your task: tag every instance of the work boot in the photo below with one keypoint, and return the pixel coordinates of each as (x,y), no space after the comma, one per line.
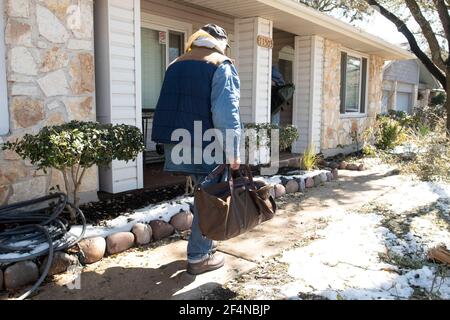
(213,262)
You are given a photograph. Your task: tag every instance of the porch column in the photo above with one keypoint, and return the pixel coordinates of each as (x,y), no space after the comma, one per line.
(308,80)
(253,40)
(118,78)
(393,104)
(415,98)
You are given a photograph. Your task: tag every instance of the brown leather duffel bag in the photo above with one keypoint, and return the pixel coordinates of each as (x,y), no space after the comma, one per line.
(228,209)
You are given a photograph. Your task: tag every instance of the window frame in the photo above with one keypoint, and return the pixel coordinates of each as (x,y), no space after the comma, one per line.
(362,106)
(4,111)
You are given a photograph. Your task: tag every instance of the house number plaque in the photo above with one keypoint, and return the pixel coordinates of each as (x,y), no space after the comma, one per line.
(265,42)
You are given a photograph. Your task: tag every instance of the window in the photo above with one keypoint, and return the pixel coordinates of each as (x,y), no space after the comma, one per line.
(353,84)
(176,45)
(4,115)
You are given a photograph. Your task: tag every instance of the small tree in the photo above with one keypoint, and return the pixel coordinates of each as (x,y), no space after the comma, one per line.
(74,147)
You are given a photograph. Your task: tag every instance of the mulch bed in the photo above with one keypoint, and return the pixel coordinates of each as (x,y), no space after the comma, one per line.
(113,206)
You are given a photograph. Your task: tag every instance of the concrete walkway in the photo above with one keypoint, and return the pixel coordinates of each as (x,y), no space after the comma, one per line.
(160,273)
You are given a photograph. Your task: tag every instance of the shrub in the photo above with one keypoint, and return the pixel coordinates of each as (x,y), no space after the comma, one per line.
(287,134)
(309,159)
(389,133)
(369,150)
(438,100)
(74,147)
(429,115)
(432,159)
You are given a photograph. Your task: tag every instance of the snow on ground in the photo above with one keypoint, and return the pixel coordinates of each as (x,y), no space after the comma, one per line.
(413,194)
(164,211)
(345,263)
(301,175)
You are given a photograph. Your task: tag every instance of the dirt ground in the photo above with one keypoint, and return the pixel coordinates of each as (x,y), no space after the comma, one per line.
(388,242)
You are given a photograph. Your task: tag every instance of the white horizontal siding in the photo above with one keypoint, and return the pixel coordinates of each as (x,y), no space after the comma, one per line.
(119,21)
(406,71)
(255,67)
(124,27)
(126,173)
(116,12)
(318,43)
(123,164)
(127,4)
(121,113)
(123,87)
(244,37)
(302,81)
(264,73)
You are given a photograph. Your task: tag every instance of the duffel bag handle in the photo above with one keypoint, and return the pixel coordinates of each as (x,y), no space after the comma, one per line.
(243,168)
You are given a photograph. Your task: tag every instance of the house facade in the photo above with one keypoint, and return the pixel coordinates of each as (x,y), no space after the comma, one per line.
(407,84)
(52,74)
(47,77)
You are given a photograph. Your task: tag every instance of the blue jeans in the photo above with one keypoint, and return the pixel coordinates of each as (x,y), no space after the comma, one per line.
(199,246)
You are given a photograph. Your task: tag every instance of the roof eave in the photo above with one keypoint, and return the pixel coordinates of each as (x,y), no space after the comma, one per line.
(389,51)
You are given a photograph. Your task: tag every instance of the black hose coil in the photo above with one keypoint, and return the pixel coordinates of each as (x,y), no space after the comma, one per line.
(36,228)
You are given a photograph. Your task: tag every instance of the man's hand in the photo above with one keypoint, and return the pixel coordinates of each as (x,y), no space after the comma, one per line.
(235,164)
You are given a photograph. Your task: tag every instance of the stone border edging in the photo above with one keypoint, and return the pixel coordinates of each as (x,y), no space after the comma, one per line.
(139,233)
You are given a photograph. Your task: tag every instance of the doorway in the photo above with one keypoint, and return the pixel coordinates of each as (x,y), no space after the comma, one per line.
(160,46)
(283,55)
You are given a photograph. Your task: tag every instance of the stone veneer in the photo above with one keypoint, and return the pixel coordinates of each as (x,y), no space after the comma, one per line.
(336,129)
(50,72)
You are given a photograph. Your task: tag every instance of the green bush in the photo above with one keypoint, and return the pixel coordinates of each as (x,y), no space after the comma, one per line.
(287,134)
(389,133)
(369,150)
(74,147)
(438,100)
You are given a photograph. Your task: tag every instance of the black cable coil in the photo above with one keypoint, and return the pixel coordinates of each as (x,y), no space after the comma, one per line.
(35,228)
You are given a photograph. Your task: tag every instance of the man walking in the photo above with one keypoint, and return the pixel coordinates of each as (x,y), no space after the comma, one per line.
(202,86)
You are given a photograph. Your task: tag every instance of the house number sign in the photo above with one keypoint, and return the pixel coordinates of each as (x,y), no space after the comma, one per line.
(265,42)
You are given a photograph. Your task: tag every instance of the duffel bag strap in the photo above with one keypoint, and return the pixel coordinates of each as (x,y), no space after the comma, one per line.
(215,173)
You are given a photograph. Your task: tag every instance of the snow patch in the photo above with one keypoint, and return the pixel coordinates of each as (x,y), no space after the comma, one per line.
(164,211)
(277,179)
(345,262)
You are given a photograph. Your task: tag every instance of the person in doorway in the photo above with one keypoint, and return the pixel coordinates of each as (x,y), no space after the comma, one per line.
(201,85)
(277,82)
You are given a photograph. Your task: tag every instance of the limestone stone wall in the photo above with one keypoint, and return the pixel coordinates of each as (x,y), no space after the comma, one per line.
(50,73)
(336,128)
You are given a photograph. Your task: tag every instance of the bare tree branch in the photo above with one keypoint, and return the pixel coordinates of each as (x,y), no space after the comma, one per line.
(401,26)
(428,33)
(445,19)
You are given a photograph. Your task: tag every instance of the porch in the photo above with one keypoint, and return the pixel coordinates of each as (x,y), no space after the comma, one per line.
(164,29)
(144,37)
